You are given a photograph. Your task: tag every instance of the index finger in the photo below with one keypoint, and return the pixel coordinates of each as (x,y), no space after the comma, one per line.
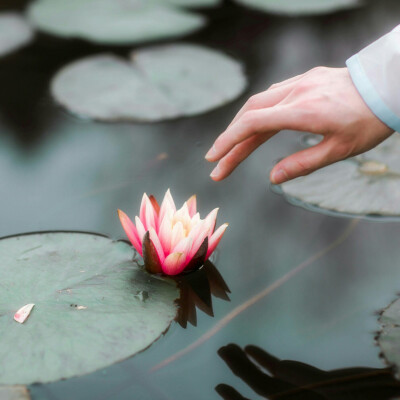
(252,123)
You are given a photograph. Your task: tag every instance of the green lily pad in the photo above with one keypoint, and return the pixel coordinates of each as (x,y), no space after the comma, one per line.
(15,32)
(389,336)
(300,7)
(113,21)
(93,305)
(158,83)
(365,185)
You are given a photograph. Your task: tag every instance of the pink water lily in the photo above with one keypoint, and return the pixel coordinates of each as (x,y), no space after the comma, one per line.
(170,240)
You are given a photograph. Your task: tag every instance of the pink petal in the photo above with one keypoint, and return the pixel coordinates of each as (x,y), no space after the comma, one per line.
(192,205)
(183,215)
(131,231)
(198,234)
(211,220)
(165,232)
(157,244)
(199,257)
(167,204)
(23,313)
(155,204)
(215,239)
(177,234)
(195,220)
(140,228)
(174,264)
(150,216)
(183,246)
(143,205)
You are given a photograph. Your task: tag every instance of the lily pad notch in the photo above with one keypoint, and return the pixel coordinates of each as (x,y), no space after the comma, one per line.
(93,305)
(154,84)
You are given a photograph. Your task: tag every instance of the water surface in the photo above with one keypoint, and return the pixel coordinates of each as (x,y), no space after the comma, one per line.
(61,172)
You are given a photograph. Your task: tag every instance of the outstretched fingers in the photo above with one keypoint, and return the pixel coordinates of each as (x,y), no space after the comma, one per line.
(306,161)
(239,153)
(254,122)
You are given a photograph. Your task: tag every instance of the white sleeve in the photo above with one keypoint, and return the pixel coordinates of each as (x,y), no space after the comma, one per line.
(375,72)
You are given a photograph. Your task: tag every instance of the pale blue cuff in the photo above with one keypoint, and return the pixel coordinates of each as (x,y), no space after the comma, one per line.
(370,95)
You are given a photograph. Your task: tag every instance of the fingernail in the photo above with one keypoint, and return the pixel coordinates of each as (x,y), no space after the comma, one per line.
(211,153)
(215,172)
(279,176)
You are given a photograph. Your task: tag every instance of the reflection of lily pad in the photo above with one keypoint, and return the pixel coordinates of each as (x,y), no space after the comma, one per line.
(300,7)
(113,21)
(389,336)
(158,83)
(15,32)
(362,185)
(62,273)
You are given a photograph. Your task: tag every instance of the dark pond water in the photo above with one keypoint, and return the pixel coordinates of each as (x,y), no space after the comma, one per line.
(61,172)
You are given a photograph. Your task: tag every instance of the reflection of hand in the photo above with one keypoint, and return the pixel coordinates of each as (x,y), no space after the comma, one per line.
(292,380)
(322,101)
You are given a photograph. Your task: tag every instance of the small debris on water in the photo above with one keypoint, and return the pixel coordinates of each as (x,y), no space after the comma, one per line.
(23,313)
(142,295)
(69,291)
(78,307)
(162,156)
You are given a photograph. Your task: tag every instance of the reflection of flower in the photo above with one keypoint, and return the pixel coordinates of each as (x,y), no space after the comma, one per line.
(169,240)
(197,291)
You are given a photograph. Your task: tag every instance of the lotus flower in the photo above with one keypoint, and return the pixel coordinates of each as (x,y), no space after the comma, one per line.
(169,240)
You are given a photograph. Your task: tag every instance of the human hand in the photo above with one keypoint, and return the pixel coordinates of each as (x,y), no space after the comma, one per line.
(321,101)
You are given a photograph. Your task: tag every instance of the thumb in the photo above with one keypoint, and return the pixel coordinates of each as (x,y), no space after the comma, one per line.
(304,162)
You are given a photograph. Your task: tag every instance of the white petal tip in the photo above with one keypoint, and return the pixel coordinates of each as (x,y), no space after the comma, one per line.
(23,313)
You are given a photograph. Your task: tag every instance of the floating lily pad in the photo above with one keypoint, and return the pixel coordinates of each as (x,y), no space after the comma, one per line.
(89,312)
(158,83)
(389,336)
(368,184)
(15,32)
(113,21)
(300,7)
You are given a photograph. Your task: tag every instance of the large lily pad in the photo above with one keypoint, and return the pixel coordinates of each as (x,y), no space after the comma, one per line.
(158,83)
(300,7)
(389,337)
(93,305)
(15,32)
(368,184)
(113,21)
